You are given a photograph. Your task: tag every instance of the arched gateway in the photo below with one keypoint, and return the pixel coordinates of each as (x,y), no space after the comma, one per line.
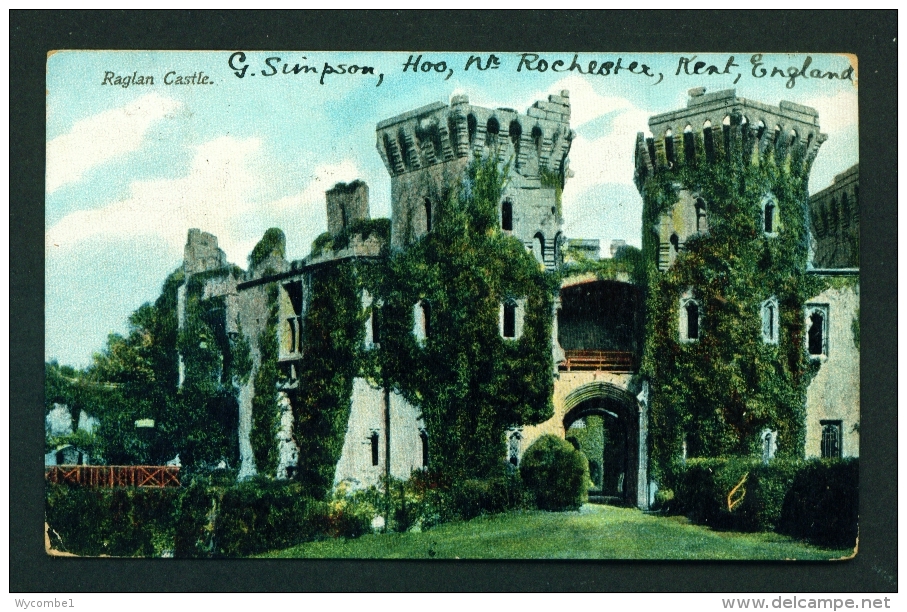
(619,468)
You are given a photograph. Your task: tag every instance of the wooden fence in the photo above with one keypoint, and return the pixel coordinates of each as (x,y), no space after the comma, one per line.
(114,475)
(607,361)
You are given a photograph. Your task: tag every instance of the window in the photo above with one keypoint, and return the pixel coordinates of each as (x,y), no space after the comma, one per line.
(373,440)
(675,242)
(427,207)
(692,309)
(421,320)
(513,448)
(507,216)
(540,247)
(701,224)
(516,131)
(770,321)
(769,444)
(708,142)
(831,439)
(669,148)
(770,221)
(689,145)
(376,325)
(491,132)
(426,319)
(817,330)
(509,326)
(423,437)
(689,320)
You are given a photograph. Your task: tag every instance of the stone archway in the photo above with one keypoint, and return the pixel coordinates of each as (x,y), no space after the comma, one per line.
(625,418)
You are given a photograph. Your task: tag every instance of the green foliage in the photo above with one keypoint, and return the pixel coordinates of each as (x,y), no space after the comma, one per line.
(266,402)
(133,378)
(203,416)
(822,504)
(470,383)
(556,473)
(553,179)
(719,392)
(272,243)
(592,441)
(627,264)
(114,522)
(335,331)
(201,519)
(363,228)
(815,500)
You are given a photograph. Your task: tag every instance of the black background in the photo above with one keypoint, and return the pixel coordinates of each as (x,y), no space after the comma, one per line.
(870,35)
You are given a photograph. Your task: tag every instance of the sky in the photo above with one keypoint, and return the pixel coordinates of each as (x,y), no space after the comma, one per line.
(131,168)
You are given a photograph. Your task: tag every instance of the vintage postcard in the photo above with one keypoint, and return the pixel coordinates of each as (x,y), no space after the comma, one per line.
(452,305)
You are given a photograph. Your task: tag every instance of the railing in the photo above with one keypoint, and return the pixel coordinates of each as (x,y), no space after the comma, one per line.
(114,475)
(608,361)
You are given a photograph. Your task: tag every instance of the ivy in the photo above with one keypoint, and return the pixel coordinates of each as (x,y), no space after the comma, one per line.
(555,180)
(334,332)
(272,243)
(627,264)
(363,228)
(266,402)
(719,392)
(203,417)
(470,383)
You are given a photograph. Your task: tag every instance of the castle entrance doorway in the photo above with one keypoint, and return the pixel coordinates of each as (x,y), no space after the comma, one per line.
(605,428)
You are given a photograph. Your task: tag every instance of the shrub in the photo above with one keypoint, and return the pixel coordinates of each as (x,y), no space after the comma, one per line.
(555,473)
(260,515)
(814,500)
(822,503)
(114,522)
(350,515)
(474,497)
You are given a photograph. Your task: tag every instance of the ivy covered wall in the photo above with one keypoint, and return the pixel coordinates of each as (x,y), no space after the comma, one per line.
(469,382)
(717,392)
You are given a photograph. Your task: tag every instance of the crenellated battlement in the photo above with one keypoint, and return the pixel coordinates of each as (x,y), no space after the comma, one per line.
(436,133)
(426,152)
(720,126)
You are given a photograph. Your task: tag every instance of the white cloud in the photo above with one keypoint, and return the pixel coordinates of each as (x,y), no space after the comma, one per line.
(100,138)
(217,194)
(586,103)
(836,112)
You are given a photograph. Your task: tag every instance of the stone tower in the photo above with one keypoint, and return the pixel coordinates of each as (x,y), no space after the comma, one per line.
(726,242)
(426,151)
(346,203)
(835,213)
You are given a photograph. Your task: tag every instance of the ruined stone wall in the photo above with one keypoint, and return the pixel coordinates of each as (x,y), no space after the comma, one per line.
(834,394)
(835,216)
(346,203)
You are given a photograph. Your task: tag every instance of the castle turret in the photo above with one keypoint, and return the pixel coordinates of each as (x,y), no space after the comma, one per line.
(720,126)
(202,253)
(725,237)
(346,203)
(426,151)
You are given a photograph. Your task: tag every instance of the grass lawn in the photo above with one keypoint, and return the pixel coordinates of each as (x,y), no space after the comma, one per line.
(594,532)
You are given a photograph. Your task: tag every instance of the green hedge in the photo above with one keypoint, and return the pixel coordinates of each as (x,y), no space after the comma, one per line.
(822,505)
(198,520)
(556,473)
(113,522)
(814,500)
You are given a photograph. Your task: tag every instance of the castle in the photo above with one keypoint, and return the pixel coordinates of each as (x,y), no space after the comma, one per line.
(703,233)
